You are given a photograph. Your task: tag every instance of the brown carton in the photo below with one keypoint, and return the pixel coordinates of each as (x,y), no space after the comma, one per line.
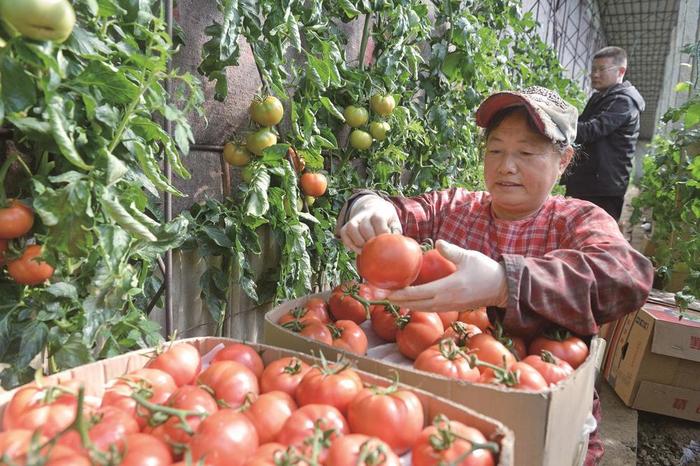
(96,375)
(653,360)
(550,427)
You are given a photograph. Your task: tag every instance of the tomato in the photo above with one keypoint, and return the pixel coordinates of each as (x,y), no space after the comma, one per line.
(143,449)
(247,173)
(420,331)
(269,413)
(459,332)
(188,398)
(243,354)
(433,267)
(15,443)
(360,450)
(519,375)
(226,438)
(260,140)
(231,382)
(391,414)
(448,317)
(488,349)
(182,361)
(64,456)
(360,140)
(478,317)
(335,386)
(345,307)
(313,184)
(27,270)
(40,20)
(107,426)
(390,261)
(446,359)
(515,345)
(236,155)
(283,374)
(267,112)
(15,220)
(447,442)
(32,396)
(355,116)
(348,336)
(3,248)
(268,454)
(384,322)
(382,104)
(305,421)
(319,307)
(571,349)
(378,130)
(316,331)
(550,367)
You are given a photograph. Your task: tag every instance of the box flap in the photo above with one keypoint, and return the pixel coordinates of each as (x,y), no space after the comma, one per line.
(675,334)
(668,400)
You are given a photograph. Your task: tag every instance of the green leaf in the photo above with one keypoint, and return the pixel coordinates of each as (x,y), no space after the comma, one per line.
(113,83)
(692,116)
(72,353)
(63,290)
(32,342)
(256,202)
(19,91)
(58,122)
(683,86)
(218,236)
(332,109)
(83,42)
(116,211)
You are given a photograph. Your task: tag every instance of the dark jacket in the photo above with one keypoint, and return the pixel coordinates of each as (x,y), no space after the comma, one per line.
(607,131)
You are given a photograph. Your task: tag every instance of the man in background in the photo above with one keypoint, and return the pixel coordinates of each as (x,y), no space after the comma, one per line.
(607,131)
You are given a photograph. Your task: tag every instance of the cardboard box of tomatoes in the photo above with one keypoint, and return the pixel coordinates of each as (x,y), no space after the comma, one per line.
(253,385)
(551,425)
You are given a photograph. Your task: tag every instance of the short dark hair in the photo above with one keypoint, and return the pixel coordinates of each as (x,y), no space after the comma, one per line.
(501,115)
(618,55)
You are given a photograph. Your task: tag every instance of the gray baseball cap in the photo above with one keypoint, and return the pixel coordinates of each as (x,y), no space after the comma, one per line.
(555,118)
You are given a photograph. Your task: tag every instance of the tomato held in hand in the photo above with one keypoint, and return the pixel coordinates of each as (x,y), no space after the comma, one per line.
(571,349)
(434,267)
(182,361)
(28,270)
(419,331)
(390,261)
(15,220)
(283,374)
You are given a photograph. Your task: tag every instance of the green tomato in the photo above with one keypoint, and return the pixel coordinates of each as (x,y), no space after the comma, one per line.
(236,155)
(360,140)
(39,19)
(310,200)
(260,140)
(267,111)
(382,104)
(355,116)
(378,130)
(247,173)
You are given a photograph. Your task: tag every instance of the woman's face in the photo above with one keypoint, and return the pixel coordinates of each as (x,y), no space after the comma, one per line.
(520,167)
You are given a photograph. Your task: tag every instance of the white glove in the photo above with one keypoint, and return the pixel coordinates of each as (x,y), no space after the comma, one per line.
(370,216)
(478,281)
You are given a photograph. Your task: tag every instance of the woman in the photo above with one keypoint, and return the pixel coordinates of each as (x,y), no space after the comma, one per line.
(539,259)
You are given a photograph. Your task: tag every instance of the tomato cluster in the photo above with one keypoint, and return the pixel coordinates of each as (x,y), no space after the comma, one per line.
(356,117)
(235,411)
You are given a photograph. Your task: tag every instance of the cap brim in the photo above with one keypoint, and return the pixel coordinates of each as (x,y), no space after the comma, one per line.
(496,102)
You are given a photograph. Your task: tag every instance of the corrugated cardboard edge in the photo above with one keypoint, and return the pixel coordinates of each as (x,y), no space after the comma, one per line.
(97,374)
(543,434)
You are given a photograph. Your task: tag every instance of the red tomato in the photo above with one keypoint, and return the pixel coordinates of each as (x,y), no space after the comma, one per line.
(448,317)
(488,349)
(304,421)
(571,349)
(111,426)
(267,454)
(460,332)
(313,184)
(390,261)
(335,386)
(231,382)
(15,443)
(3,248)
(422,329)
(64,456)
(28,271)
(143,449)
(478,317)
(520,375)
(317,331)
(446,359)
(392,415)
(284,374)
(348,336)
(48,420)
(226,438)
(188,398)
(434,267)
(384,322)
(448,442)
(550,367)
(360,450)
(160,386)
(269,413)
(182,361)
(317,303)
(314,312)
(515,345)
(344,307)
(15,220)
(32,396)
(243,354)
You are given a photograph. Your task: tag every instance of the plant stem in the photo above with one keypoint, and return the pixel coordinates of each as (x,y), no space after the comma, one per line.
(365,37)
(129,112)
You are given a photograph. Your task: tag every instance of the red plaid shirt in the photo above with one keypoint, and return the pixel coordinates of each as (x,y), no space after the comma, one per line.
(568,264)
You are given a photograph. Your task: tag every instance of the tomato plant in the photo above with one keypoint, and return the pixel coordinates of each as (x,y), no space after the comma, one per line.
(390,261)
(379,130)
(360,140)
(382,105)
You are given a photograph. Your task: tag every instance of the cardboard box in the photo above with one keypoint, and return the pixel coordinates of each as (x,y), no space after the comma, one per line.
(96,375)
(653,360)
(548,426)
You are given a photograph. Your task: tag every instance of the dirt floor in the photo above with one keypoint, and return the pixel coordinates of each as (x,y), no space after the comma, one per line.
(667,441)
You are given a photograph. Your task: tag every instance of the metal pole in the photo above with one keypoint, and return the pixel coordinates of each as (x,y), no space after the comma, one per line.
(167,204)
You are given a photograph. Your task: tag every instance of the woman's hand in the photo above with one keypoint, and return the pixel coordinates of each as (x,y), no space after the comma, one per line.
(370,216)
(478,281)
